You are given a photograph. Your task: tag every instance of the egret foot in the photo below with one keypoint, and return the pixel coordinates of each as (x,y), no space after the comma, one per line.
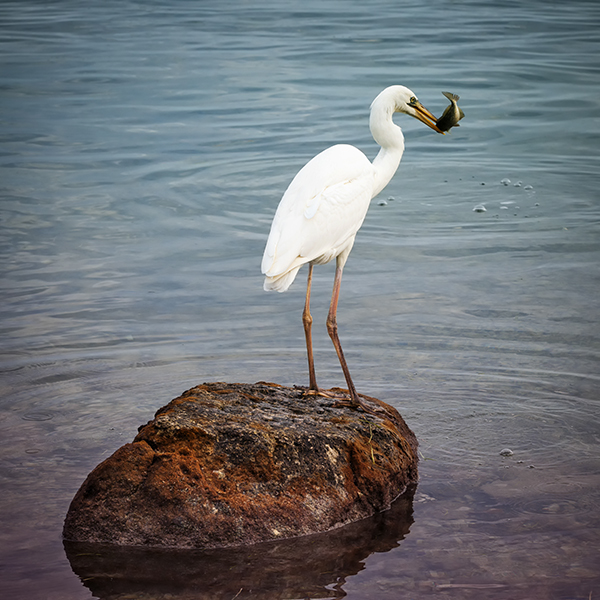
(322,393)
(357,403)
(360,405)
(344,400)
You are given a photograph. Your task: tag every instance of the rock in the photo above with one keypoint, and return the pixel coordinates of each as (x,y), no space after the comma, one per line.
(235,464)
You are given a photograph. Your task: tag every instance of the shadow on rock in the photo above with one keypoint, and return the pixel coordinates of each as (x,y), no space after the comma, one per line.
(314,566)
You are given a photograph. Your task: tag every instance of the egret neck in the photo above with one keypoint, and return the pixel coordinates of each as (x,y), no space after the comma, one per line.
(389,136)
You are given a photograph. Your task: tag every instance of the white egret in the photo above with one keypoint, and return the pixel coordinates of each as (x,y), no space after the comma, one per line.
(325,206)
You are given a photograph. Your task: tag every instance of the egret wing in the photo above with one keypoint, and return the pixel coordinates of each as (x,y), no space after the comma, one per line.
(321,211)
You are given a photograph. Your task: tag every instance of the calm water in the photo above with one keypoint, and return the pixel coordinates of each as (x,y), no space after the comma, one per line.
(144,149)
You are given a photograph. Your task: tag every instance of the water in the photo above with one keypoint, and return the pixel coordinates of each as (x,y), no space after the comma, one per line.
(145,147)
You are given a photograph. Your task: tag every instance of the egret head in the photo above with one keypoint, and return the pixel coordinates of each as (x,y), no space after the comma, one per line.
(415,109)
(401,99)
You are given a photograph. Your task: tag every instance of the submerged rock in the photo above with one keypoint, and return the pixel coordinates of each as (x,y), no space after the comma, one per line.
(236,464)
(313,566)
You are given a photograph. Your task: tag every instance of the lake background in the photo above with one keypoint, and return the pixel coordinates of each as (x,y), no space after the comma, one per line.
(144,149)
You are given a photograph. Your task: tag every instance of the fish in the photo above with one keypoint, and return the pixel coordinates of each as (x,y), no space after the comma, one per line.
(452,115)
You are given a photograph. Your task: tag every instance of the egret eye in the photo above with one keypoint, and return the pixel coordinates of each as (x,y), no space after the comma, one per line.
(413,101)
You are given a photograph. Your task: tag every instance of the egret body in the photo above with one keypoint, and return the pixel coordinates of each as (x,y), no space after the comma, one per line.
(325,206)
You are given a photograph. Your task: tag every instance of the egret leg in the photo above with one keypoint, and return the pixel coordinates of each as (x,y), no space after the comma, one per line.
(333,334)
(307,320)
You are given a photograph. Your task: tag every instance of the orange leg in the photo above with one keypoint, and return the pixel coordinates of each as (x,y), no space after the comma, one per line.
(333,334)
(307,320)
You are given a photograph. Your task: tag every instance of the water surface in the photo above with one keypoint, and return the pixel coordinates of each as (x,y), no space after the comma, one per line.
(144,149)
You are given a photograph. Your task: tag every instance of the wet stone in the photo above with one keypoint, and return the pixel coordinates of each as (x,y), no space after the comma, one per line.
(236,464)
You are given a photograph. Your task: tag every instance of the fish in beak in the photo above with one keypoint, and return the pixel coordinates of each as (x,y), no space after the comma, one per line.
(424,115)
(452,115)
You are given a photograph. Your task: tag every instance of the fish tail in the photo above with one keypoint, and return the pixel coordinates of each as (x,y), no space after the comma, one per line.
(451,96)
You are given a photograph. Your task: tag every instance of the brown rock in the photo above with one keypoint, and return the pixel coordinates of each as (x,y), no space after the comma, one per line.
(236,464)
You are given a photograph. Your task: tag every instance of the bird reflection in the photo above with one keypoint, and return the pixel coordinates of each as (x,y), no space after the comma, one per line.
(314,566)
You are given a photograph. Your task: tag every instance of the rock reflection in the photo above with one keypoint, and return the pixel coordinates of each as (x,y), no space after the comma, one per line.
(314,566)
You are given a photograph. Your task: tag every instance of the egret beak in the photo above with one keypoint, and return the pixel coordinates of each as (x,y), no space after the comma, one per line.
(425,116)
